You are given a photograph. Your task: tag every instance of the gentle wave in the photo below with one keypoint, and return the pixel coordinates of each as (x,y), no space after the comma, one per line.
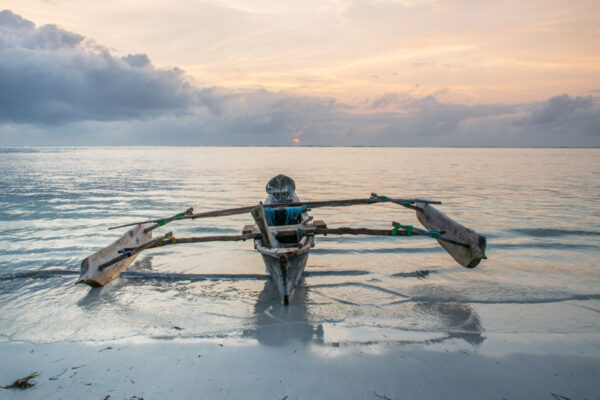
(212,229)
(387,250)
(168,277)
(65,250)
(545,245)
(566,297)
(420,274)
(552,232)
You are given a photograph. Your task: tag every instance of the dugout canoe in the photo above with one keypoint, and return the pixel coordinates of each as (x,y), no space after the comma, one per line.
(284,260)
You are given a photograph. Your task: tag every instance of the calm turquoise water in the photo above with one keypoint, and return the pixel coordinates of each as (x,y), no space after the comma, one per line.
(538,208)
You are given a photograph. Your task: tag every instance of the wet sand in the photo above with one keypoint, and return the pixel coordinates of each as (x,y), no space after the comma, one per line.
(245,369)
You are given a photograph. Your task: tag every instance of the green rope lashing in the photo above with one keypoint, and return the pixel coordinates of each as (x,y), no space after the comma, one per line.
(161,223)
(434,234)
(407,228)
(375,196)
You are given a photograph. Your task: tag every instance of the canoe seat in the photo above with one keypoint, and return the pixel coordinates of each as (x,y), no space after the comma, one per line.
(315,224)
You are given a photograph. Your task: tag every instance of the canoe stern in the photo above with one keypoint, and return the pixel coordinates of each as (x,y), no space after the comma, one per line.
(285,266)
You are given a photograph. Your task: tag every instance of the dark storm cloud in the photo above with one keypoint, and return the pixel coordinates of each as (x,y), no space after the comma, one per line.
(51,76)
(57,88)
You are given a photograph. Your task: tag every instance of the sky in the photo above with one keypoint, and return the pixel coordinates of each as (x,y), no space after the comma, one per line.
(328,72)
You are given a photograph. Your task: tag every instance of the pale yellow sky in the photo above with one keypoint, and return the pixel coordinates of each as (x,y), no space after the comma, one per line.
(460,51)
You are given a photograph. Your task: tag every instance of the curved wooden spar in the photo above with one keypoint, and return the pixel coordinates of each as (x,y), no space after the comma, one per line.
(93,275)
(409,203)
(467,256)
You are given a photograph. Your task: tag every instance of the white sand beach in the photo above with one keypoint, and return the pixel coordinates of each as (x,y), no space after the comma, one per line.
(506,367)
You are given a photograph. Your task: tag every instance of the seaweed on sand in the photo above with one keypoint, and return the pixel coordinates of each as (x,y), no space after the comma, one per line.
(23,383)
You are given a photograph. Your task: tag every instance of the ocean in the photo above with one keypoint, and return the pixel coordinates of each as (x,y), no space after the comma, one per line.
(538,209)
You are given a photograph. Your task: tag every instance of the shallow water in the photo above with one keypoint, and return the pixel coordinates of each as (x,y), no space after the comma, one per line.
(537,207)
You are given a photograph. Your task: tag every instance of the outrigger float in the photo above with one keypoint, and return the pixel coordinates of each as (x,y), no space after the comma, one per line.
(283,234)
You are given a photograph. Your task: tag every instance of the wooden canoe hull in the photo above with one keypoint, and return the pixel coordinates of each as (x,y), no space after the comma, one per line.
(93,276)
(285,266)
(468,257)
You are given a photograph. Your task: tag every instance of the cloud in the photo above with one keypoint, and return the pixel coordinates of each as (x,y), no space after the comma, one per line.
(9,20)
(51,76)
(563,114)
(59,88)
(137,60)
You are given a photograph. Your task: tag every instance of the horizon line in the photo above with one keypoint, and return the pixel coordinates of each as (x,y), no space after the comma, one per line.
(301,146)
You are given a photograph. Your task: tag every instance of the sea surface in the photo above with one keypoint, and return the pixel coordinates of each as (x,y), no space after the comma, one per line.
(539,209)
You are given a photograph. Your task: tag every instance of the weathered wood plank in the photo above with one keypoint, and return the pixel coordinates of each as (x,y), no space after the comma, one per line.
(258,213)
(319,224)
(284,228)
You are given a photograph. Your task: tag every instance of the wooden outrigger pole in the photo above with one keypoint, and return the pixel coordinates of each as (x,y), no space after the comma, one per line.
(169,239)
(409,203)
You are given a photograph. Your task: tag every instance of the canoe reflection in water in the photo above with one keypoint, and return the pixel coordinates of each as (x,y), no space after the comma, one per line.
(459,321)
(321,314)
(277,324)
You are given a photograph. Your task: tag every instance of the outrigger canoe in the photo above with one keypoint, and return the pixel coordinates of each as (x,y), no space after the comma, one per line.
(283,234)
(284,259)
